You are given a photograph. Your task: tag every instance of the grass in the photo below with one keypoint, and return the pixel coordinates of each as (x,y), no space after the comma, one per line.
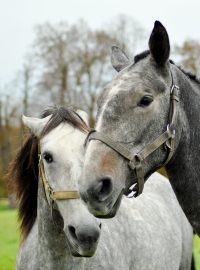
(196,252)
(9,238)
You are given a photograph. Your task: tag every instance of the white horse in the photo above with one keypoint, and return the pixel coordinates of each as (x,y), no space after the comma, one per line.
(149,232)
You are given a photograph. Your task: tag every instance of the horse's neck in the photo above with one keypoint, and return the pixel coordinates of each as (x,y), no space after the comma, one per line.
(52,241)
(184,170)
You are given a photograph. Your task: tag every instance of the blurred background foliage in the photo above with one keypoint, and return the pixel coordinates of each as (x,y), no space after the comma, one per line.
(70,64)
(66,64)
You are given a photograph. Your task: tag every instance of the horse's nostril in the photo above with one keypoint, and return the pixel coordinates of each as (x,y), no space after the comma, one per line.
(100,225)
(103,189)
(72,231)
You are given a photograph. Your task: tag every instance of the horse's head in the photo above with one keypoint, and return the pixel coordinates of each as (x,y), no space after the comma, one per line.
(61,137)
(133,111)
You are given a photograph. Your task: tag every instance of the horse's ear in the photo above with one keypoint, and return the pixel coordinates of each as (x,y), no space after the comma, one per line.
(159,44)
(36,125)
(84,116)
(119,59)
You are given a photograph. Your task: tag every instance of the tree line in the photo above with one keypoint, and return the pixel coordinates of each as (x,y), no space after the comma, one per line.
(69,64)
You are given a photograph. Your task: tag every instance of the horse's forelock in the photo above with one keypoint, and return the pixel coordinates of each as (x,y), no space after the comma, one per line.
(60,115)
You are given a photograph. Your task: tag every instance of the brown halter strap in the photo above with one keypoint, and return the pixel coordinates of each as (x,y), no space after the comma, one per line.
(50,194)
(136,159)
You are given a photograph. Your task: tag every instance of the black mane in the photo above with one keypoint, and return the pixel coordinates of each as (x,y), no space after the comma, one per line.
(144,54)
(23,171)
(141,56)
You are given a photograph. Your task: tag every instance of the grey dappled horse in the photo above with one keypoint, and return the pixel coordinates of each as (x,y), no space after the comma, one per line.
(148,116)
(149,232)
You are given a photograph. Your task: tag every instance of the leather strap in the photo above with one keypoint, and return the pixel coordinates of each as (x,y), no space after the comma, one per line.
(50,194)
(65,195)
(120,149)
(136,160)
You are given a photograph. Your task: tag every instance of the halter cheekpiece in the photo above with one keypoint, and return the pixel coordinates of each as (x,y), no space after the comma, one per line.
(50,194)
(135,160)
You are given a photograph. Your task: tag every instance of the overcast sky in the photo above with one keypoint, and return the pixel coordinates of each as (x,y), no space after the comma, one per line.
(18,17)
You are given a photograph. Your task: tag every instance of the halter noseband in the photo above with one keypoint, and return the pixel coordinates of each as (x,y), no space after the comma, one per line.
(51,195)
(135,159)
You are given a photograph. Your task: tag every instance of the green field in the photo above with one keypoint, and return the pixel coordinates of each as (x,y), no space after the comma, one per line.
(9,238)
(196,252)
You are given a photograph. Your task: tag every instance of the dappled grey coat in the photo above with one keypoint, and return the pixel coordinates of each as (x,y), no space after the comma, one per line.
(150,232)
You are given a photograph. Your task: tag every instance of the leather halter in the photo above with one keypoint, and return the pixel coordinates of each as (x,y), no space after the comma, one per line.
(136,159)
(51,195)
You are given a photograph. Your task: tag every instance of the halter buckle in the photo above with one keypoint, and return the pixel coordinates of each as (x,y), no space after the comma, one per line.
(173,132)
(169,144)
(137,159)
(51,193)
(174,86)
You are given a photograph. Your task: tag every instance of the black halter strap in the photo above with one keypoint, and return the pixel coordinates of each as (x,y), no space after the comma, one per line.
(135,160)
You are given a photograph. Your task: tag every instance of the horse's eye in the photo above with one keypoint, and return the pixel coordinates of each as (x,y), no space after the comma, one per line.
(48,157)
(145,101)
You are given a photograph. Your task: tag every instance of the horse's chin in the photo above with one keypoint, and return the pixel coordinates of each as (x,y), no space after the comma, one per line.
(83,253)
(78,250)
(108,213)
